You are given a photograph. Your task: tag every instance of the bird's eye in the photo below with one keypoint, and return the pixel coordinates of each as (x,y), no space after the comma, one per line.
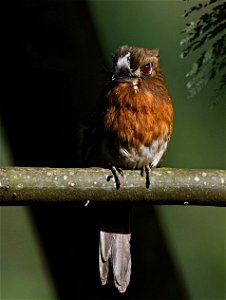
(147,69)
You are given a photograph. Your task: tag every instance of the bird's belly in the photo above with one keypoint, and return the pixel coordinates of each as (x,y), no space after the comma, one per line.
(134,157)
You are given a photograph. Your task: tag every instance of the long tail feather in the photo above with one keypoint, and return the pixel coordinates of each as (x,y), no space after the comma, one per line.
(115,251)
(114,247)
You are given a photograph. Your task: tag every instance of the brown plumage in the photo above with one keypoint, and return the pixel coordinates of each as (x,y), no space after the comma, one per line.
(130,130)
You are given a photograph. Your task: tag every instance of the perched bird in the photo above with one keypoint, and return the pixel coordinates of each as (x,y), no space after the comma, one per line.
(130,129)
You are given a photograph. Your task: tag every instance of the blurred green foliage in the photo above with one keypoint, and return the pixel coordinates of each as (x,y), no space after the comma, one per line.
(24,270)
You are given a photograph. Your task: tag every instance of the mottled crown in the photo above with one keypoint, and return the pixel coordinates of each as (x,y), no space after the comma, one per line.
(137,56)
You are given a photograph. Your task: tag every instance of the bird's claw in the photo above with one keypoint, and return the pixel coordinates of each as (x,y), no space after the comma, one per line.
(115,171)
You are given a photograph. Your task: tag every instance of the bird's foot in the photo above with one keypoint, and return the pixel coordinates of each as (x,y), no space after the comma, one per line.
(115,172)
(147,170)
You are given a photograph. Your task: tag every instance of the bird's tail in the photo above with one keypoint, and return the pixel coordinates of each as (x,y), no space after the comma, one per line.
(114,247)
(115,251)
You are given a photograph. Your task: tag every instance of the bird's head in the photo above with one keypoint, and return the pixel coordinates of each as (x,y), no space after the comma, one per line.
(131,64)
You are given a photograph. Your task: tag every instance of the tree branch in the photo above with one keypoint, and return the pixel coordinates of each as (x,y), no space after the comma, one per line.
(22,186)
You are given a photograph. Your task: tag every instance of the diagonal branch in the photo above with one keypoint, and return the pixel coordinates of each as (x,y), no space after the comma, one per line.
(23,186)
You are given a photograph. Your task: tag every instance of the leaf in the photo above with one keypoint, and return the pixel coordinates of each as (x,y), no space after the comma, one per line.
(207,28)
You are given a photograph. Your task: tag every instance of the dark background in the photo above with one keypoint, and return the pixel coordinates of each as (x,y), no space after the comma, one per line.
(57,55)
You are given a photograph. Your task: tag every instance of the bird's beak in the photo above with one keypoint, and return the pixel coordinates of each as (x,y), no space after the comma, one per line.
(122,74)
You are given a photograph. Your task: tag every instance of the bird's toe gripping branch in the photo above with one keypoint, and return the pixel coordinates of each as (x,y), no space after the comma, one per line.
(118,171)
(115,173)
(147,170)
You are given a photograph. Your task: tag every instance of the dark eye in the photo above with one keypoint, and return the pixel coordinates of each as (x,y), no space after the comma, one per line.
(147,69)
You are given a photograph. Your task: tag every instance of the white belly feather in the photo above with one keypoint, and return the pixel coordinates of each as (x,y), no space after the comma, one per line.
(145,155)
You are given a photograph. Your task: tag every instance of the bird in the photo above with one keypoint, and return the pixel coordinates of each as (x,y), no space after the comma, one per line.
(130,129)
